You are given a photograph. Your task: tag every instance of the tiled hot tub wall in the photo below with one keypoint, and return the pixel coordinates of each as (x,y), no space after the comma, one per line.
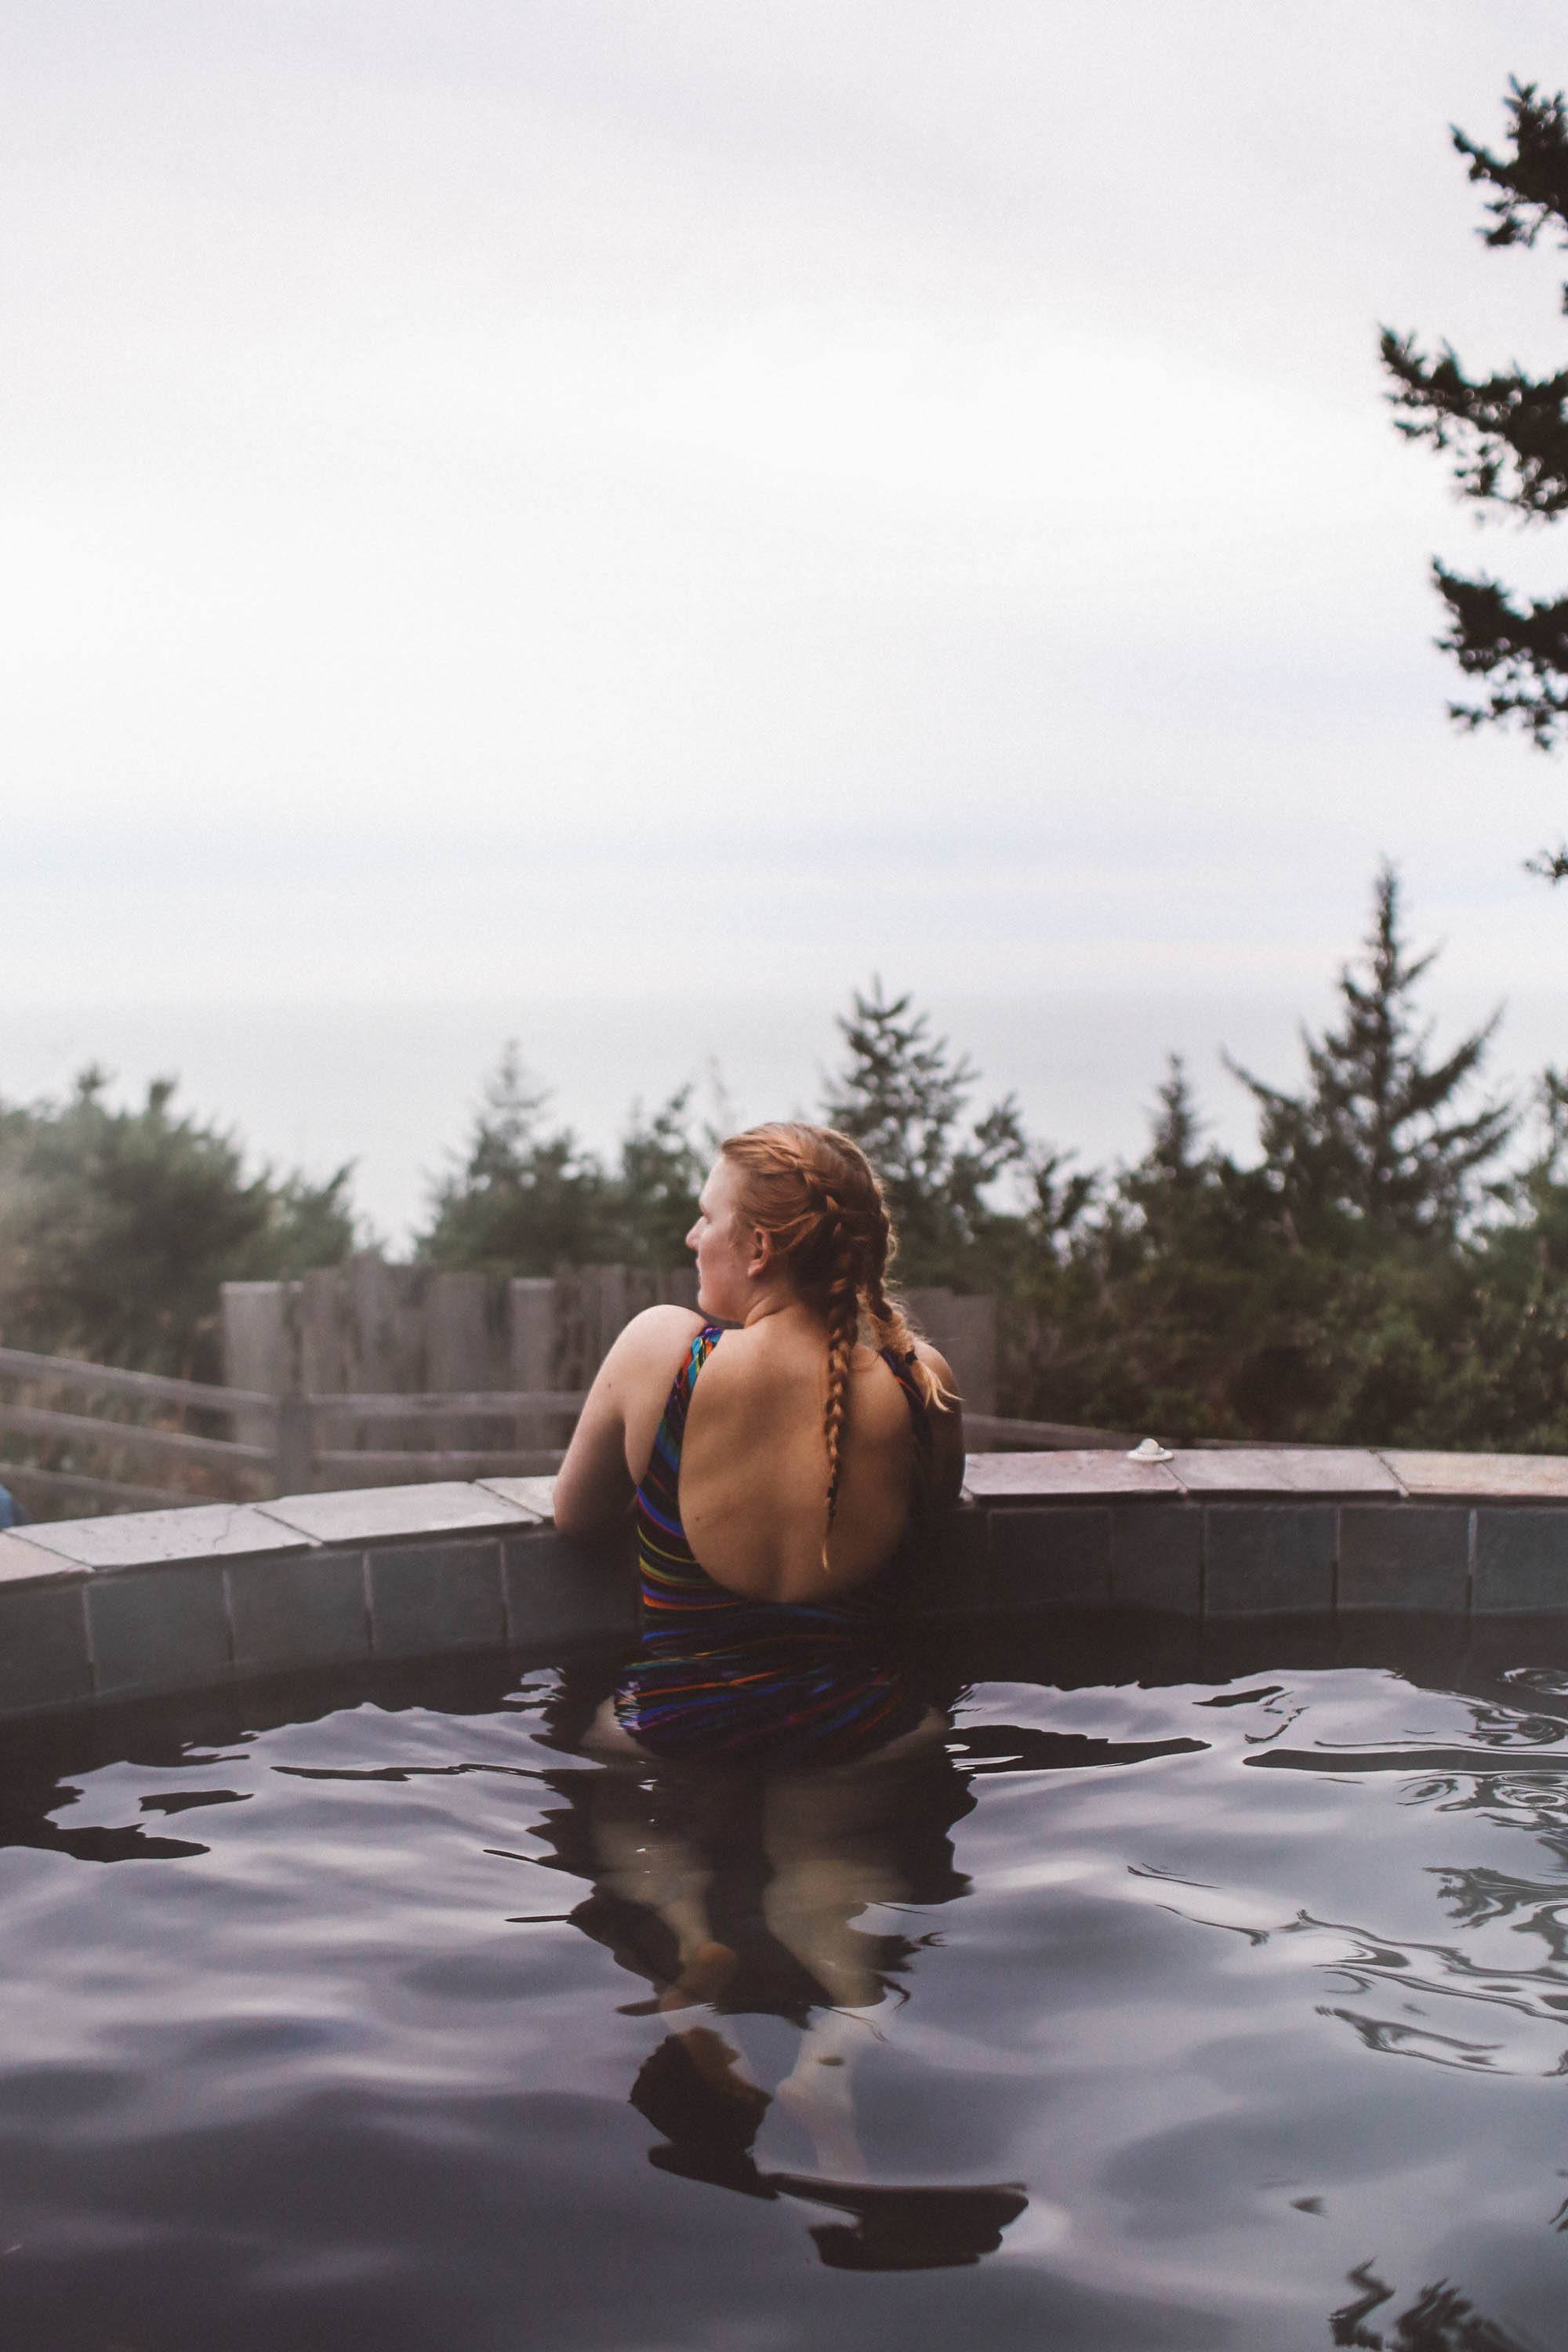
(164,1600)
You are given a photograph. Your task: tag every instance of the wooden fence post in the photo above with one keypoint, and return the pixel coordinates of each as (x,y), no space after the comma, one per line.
(965,1328)
(294,1470)
(608,1312)
(466,1349)
(533,1353)
(260,1348)
(970,1348)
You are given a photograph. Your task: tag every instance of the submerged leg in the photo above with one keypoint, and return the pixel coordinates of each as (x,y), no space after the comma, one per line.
(832,1843)
(831,1839)
(645,1857)
(818,2091)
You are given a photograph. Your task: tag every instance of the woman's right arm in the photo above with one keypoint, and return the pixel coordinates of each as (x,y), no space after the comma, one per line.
(594,1487)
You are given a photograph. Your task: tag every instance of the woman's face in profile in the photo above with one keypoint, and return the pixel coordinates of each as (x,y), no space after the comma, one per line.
(723,1249)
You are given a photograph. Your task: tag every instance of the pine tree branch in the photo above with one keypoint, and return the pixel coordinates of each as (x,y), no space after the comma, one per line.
(1532,182)
(1508,434)
(1522,648)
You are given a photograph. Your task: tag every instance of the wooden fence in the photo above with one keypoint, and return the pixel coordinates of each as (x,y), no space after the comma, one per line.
(370,1327)
(378,1374)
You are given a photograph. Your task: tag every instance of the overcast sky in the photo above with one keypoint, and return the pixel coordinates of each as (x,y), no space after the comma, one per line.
(561,500)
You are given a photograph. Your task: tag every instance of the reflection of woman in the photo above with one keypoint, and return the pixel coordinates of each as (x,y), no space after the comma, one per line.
(787,1864)
(773,1466)
(776,1464)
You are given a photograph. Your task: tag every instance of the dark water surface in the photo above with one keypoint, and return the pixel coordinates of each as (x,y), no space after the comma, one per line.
(1202,1995)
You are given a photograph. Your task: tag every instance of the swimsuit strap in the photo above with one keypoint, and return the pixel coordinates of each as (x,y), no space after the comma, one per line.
(902,1368)
(680,1398)
(672,1426)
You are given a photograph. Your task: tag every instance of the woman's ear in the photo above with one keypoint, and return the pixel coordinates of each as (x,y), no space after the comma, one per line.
(762,1253)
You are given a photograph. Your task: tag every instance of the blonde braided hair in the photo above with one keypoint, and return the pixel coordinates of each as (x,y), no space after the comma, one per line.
(814,1193)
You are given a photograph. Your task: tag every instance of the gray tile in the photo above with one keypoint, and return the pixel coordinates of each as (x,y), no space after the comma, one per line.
(533,1497)
(1538,1477)
(1406,1556)
(43,1647)
(428,1598)
(1156,1558)
(1057,1558)
(22,1562)
(140,1539)
(557,1591)
(1267,1558)
(1025,1477)
(158,1629)
(1283,1470)
(374,1514)
(305,1610)
(1521,1561)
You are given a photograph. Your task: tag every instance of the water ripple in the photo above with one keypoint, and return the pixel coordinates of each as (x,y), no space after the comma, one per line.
(1078,2033)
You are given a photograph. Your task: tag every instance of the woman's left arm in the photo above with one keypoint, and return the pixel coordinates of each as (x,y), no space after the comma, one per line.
(946,1429)
(594,1486)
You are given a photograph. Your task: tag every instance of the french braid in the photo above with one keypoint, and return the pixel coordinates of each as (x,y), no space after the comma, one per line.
(843,1331)
(815,1193)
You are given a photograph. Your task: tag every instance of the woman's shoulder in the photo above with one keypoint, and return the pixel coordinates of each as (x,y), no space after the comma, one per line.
(647,1352)
(660,1333)
(936,1362)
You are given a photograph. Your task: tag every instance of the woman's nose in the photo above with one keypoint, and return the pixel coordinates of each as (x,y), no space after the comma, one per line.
(691,1239)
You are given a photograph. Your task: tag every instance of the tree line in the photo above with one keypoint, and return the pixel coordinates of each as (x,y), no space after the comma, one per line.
(1389,1264)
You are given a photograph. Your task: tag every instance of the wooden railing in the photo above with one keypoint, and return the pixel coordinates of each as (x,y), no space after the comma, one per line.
(138,1450)
(297,1441)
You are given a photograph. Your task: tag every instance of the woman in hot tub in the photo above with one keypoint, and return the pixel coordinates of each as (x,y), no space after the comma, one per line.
(775,1463)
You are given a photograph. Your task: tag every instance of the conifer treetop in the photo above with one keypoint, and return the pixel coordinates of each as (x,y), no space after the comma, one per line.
(1379,1134)
(1505,436)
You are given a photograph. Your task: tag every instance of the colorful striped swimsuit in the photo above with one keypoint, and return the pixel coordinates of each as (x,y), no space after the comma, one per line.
(719,1674)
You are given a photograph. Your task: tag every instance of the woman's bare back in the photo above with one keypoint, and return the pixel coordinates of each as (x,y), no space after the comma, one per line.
(754,1468)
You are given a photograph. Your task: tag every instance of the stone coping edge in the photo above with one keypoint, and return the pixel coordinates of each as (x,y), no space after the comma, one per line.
(146,1604)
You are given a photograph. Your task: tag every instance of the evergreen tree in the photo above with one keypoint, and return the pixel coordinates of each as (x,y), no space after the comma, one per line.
(1512,1386)
(1175,1157)
(1507,437)
(1378,1139)
(117,1227)
(656,1181)
(1164,1312)
(901,1095)
(524,1198)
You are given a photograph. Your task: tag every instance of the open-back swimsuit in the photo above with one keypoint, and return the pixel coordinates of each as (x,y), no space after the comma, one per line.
(721,1674)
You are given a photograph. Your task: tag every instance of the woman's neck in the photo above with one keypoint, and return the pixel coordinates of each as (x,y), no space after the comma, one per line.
(787,1310)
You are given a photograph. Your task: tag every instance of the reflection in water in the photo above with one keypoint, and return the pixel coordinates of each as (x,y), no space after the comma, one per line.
(1529,1796)
(1440,2319)
(709,2117)
(746,1892)
(857,2004)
